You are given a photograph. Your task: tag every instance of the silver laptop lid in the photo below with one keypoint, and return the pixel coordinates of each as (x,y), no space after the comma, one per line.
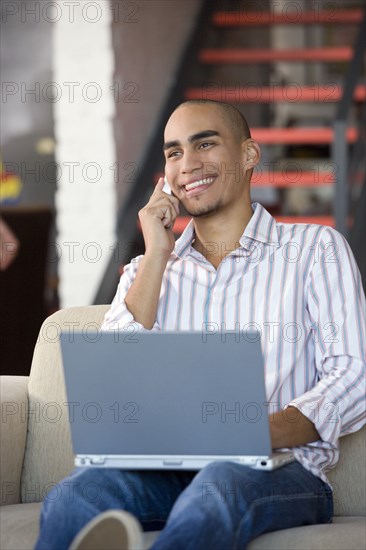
(166,394)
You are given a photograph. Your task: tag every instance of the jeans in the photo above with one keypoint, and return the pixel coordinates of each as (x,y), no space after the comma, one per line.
(223,506)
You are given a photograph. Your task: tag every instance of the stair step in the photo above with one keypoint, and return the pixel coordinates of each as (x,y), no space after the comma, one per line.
(182,221)
(264,94)
(299,135)
(300,178)
(246,55)
(288,16)
(287,178)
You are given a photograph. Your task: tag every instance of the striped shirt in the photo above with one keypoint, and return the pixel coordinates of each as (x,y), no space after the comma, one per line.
(299,287)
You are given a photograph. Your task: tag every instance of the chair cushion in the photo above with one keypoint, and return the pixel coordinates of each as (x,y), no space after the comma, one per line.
(19,526)
(345,532)
(19,531)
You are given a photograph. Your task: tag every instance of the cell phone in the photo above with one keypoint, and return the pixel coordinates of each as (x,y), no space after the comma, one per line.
(166,187)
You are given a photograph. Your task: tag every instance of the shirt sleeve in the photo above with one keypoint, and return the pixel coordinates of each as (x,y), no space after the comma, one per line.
(118,317)
(336,305)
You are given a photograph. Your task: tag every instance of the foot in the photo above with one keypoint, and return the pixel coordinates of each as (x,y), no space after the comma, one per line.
(111,530)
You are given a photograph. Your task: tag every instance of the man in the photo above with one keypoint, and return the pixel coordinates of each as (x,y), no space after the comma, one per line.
(233,266)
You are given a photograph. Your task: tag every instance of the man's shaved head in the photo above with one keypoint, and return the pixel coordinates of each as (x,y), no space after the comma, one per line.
(234,118)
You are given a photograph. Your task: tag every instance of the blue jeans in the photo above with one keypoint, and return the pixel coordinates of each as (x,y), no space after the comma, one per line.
(223,506)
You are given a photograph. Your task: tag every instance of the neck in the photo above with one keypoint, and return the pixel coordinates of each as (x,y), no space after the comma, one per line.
(218,235)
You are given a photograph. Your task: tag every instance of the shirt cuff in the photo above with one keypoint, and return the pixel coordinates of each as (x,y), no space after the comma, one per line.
(322,413)
(124,323)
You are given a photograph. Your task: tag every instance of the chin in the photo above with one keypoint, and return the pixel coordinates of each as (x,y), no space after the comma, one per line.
(202,211)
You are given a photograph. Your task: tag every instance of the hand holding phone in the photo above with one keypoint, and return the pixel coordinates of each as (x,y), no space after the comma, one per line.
(157,219)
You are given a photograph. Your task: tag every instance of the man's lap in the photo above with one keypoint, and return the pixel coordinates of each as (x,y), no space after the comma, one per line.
(150,495)
(221,503)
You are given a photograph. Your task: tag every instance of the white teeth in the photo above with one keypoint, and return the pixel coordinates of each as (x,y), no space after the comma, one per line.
(195,184)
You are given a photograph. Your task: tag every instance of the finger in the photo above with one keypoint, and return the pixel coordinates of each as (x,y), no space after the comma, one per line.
(162,201)
(169,216)
(161,212)
(159,186)
(175,203)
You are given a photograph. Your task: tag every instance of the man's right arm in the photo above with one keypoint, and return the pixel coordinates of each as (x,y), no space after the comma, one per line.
(143,296)
(157,219)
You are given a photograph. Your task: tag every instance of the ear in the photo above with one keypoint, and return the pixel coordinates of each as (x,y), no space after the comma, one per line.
(251,153)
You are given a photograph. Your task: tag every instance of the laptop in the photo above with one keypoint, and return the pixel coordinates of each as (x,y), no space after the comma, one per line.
(167,400)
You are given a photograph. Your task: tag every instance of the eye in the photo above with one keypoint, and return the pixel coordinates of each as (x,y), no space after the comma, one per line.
(205,144)
(173,154)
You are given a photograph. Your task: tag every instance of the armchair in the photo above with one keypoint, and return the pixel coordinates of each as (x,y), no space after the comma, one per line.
(36,453)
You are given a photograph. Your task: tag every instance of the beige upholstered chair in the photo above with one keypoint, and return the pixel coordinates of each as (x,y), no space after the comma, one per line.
(36,453)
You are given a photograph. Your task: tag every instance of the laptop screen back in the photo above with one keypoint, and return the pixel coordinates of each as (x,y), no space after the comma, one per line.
(166,393)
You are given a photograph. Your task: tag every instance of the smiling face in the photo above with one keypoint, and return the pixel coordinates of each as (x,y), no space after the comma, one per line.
(207,160)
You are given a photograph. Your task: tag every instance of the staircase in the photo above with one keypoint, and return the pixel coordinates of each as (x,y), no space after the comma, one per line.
(291,120)
(286,179)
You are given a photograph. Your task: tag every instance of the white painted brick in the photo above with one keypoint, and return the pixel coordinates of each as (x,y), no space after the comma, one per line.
(86,211)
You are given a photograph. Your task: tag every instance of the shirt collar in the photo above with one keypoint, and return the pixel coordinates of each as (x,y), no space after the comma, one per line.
(262,227)
(183,244)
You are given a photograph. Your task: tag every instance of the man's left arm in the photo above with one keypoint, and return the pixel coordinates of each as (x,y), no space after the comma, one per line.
(290,428)
(335,406)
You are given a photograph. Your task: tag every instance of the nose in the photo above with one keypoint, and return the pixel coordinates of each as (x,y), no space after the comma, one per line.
(190,162)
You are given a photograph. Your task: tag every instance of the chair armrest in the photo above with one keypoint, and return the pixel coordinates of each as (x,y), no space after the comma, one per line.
(13,434)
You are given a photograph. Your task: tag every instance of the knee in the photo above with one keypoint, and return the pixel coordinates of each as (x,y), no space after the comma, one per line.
(228,482)
(226,471)
(81,484)
(56,502)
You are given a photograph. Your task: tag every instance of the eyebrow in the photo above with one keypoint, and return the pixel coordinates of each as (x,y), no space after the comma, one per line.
(191,139)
